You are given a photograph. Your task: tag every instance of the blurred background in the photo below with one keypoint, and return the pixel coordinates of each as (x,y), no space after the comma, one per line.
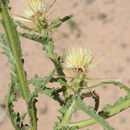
(103,27)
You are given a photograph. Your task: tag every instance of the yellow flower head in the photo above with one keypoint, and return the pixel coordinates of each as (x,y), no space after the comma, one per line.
(35,9)
(78,59)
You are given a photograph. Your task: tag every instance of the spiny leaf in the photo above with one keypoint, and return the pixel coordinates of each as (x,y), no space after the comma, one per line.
(33,36)
(120,105)
(48,46)
(65,84)
(15,117)
(6,2)
(58,22)
(119,84)
(97,118)
(40,85)
(94,95)
(67,105)
(53,93)
(23,26)
(66,112)
(7,50)
(23,116)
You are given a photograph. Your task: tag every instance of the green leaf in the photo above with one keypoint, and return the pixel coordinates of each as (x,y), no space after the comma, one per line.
(53,93)
(58,22)
(66,112)
(7,51)
(48,46)
(39,84)
(6,2)
(62,82)
(23,26)
(119,84)
(15,117)
(40,87)
(23,116)
(34,37)
(92,114)
(94,95)
(120,105)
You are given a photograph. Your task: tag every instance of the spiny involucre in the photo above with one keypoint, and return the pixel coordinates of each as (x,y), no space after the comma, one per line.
(78,59)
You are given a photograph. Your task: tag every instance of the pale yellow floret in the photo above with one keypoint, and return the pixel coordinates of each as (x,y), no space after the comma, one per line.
(78,58)
(35,8)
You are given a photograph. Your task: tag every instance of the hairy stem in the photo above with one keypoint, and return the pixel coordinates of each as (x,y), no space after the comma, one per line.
(68,114)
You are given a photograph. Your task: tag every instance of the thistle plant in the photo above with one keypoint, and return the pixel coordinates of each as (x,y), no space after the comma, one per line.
(77,61)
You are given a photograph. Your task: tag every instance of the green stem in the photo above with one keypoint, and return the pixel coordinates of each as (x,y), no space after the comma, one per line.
(14,43)
(68,114)
(83,123)
(32,112)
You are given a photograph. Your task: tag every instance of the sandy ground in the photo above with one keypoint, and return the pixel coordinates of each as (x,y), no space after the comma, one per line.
(102,26)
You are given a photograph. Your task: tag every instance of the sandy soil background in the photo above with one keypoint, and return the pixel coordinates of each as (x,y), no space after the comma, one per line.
(101,25)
